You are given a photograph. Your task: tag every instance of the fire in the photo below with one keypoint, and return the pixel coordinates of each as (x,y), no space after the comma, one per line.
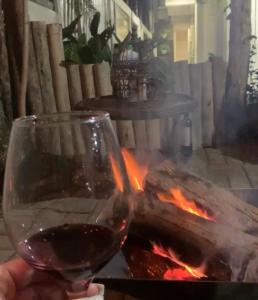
(185,272)
(117,175)
(177,198)
(136,173)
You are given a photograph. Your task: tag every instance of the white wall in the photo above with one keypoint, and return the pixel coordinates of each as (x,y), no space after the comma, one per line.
(212,30)
(40,13)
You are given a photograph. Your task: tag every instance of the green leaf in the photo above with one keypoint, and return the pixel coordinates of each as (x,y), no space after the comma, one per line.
(94,25)
(70,29)
(71,52)
(106,35)
(98,57)
(82,40)
(86,55)
(95,44)
(107,54)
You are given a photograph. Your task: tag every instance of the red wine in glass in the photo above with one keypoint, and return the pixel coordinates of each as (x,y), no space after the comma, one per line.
(67,201)
(71,251)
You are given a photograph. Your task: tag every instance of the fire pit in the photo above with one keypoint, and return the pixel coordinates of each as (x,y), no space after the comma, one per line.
(188,229)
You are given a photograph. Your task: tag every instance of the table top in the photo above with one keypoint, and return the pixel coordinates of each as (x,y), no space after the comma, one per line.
(121,109)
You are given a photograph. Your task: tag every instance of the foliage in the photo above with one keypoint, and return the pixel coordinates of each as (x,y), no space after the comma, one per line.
(252,86)
(80,51)
(143,47)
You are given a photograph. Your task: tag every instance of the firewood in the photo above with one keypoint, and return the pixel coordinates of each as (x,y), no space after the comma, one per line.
(232,232)
(225,207)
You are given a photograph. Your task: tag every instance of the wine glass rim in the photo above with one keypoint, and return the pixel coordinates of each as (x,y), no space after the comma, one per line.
(57,118)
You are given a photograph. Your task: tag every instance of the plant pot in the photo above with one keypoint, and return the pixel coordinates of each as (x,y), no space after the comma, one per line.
(87,81)
(102,76)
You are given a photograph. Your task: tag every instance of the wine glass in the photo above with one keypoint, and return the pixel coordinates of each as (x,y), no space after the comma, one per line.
(67,205)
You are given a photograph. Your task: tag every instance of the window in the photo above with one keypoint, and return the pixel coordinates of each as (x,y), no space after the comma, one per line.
(122,23)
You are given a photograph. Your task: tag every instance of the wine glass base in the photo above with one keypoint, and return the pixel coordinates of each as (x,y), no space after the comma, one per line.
(85,294)
(84,290)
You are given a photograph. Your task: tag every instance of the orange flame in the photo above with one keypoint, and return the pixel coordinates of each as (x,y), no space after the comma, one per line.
(117,174)
(136,173)
(171,255)
(178,199)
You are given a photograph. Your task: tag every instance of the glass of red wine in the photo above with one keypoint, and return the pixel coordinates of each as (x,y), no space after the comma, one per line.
(67,203)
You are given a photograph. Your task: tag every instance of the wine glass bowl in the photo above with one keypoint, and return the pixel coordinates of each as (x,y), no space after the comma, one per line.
(66,204)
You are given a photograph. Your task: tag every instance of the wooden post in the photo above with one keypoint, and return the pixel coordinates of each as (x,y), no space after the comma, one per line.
(34,91)
(181,75)
(60,82)
(207,105)
(39,34)
(13,12)
(126,134)
(238,64)
(74,82)
(40,41)
(102,76)
(195,71)
(140,134)
(219,78)
(153,134)
(5,85)
(182,86)
(87,81)
(166,135)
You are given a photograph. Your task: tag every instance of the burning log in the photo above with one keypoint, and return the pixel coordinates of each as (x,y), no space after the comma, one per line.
(203,215)
(222,206)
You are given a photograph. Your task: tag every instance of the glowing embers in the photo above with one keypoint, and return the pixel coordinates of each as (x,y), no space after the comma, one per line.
(184,271)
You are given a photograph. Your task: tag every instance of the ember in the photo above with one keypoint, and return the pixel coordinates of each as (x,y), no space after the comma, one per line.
(185,272)
(177,198)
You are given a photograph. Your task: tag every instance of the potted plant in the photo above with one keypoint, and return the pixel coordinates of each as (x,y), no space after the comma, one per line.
(93,55)
(138,74)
